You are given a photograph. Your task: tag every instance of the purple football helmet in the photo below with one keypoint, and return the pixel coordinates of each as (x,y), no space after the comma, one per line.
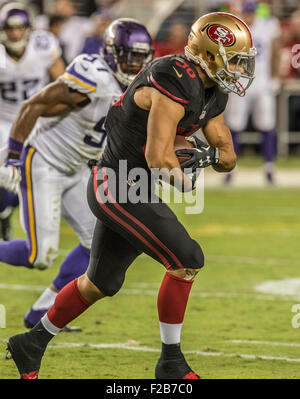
(127,48)
(14,15)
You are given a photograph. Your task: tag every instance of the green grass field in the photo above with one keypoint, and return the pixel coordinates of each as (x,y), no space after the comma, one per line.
(231,330)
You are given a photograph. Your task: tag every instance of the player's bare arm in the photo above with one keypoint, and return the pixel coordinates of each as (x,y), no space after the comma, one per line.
(55,99)
(218,135)
(163,119)
(57,69)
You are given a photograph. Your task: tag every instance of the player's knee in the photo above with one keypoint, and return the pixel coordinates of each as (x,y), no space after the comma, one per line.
(198,256)
(113,286)
(194,258)
(110,285)
(45,258)
(88,289)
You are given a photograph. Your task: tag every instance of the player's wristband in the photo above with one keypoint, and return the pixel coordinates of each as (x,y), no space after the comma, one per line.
(14,152)
(15,146)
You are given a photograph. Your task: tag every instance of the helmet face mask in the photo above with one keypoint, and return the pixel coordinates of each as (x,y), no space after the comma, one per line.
(228,40)
(15,28)
(238,73)
(127,49)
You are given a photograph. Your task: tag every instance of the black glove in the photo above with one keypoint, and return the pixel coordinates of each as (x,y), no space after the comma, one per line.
(201,156)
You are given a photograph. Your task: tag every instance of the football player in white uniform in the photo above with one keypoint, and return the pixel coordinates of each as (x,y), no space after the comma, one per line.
(70,115)
(27,59)
(260,99)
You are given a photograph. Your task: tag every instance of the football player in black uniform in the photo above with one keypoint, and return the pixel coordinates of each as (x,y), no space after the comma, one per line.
(173,95)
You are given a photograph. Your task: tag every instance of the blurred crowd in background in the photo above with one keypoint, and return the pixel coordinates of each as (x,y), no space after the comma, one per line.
(80,24)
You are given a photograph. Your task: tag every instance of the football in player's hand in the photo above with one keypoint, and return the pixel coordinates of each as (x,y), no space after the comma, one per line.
(181,144)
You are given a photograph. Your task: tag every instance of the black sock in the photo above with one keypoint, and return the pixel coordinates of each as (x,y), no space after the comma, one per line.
(171,351)
(39,335)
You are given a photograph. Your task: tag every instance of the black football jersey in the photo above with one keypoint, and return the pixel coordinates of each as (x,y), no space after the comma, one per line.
(178,79)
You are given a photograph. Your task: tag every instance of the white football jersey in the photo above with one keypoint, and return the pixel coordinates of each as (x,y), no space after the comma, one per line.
(66,142)
(19,80)
(264,31)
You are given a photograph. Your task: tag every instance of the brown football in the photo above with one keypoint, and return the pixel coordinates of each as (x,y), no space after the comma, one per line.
(181,143)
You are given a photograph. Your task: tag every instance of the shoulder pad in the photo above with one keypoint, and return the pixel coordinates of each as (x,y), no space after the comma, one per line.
(86,73)
(175,78)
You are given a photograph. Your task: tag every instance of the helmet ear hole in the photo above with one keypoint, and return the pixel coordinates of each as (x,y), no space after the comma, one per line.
(210,56)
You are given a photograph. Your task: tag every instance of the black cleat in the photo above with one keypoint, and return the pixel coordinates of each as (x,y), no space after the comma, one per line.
(26,354)
(5,229)
(172,365)
(270,178)
(228,178)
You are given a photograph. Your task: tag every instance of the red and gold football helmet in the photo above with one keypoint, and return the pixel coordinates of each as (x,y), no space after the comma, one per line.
(222,45)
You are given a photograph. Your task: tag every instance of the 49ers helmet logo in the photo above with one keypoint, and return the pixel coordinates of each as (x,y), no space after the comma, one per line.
(219,33)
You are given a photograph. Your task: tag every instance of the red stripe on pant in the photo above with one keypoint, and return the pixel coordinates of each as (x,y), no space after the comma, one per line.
(126,225)
(136,221)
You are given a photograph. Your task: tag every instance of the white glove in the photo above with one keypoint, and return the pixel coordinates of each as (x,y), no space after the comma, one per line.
(10,178)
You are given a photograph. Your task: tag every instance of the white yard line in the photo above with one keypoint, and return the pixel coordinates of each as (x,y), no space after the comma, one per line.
(262,210)
(19,287)
(246,178)
(232,259)
(135,291)
(252,260)
(284,287)
(270,343)
(136,347)
(147,292)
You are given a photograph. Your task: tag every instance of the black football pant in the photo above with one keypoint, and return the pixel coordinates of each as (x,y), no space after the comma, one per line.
(125,230)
